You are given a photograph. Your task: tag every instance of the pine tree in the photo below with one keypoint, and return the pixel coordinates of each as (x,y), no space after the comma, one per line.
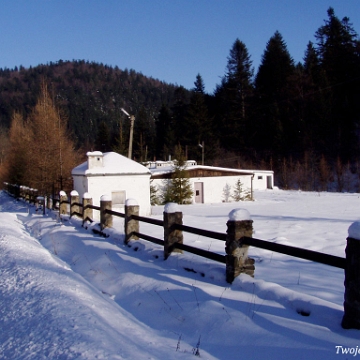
(272,88)
(197,123)
(179,111)
(317,99)
(178,189)
(239,193)
(102,142)
(154,199)
(120,145)
(338,49)
(226,193)
(233,98)
(144,133)
(165,136)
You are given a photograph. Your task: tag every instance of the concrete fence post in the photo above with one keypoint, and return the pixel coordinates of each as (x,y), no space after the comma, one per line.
(131,225)
(237,260)
(31,190)
(172,216)
(48,202)
(87,213)
(16,191)
(40,202)
(63,204)
(32,197)
(54,202)
(74,198)
(44,205)
(27,194)
(35,195)
(351,318)
(106,220)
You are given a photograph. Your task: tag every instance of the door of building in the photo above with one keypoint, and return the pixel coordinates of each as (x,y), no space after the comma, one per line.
(269,182)
(199,192)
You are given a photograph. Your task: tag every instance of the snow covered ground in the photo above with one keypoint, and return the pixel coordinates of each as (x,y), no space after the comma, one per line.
(66,293)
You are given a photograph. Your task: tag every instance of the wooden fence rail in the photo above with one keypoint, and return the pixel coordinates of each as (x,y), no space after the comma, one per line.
(322,258)
(201,232)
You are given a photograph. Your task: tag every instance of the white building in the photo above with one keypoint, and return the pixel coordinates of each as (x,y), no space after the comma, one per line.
(210,183)
(116,175)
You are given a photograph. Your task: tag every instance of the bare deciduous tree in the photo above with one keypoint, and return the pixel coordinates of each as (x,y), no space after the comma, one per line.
(16,165)
(41,152)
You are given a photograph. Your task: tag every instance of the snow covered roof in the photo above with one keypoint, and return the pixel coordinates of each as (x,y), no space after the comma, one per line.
(111,164)
(165,170)
(160,168)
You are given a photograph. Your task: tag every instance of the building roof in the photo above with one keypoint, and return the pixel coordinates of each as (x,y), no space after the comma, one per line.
(200,171)
(164,167)
(112,164)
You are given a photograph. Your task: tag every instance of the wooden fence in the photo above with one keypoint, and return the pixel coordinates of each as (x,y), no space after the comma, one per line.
(84,210)
(237,239)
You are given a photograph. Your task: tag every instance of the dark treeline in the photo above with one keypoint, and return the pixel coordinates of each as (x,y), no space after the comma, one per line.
(301,120)
(90,96)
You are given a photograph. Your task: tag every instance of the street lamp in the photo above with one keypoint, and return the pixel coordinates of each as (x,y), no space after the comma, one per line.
(132,119)
(202,145)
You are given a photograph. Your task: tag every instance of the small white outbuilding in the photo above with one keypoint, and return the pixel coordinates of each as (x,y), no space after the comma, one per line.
(212,184)
(114,175)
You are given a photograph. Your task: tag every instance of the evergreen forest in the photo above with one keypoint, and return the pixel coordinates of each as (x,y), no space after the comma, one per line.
(301,120)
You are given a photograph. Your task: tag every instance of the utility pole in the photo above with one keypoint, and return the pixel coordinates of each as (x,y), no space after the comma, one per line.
(132,120)
(202,145)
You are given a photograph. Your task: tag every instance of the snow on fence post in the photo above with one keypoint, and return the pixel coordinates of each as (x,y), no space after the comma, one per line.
(237,260)
(131,225)
(87,212)
(172,216)
(74,199)
(106,219)
(63,203)
(351,318)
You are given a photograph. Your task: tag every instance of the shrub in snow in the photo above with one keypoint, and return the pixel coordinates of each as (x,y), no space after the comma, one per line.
(154,199)
(239,194)
(226,193)
(178,189)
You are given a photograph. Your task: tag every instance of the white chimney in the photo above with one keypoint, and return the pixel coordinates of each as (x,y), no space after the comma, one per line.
(95,159)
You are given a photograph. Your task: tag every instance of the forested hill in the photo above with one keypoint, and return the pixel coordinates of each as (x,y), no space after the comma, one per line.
(300,119)
(88,94)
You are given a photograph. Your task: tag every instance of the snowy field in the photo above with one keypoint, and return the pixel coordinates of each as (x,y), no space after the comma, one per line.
(68,294)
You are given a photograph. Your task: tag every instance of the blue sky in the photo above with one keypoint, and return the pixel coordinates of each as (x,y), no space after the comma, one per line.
(171,40)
